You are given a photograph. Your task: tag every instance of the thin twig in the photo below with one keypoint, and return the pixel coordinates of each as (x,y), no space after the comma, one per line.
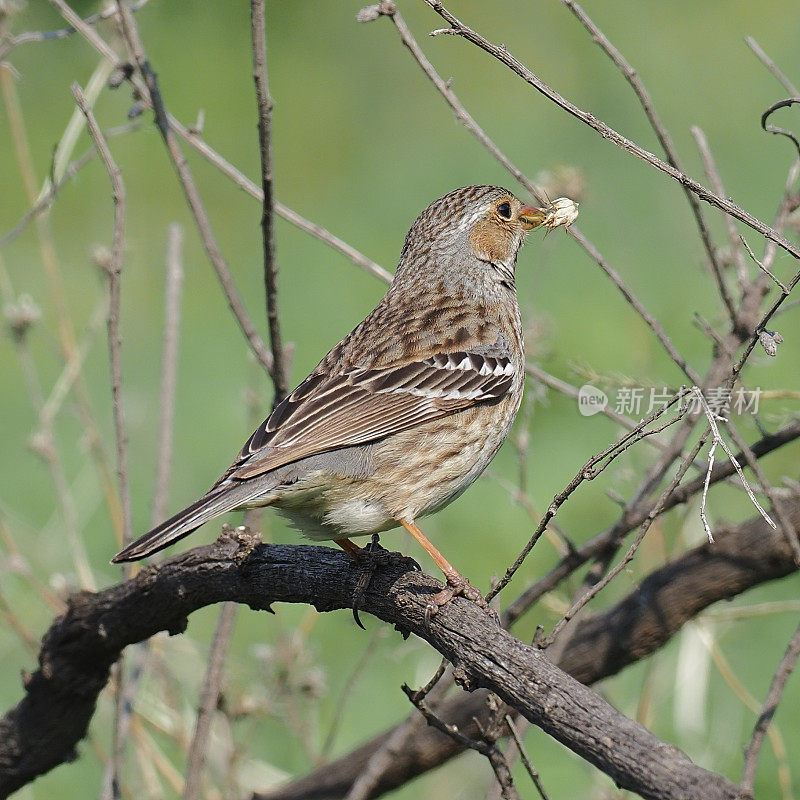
(209,698)
(785,668)
(531,770)
(710,167)
(114,336)
(169,367)
(665,140)
(190,190)
(771,66)
(761,266)
(654,325)
(389,9)
(279,371)
(487,749)
(50,36)
(784,523)
(712,422)
(194,140)
(588,471)
(383,757)
(114,272)
(516,66)
(645,526)
(52,189)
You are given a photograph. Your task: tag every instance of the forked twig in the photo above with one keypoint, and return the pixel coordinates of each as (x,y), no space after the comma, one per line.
(718,440)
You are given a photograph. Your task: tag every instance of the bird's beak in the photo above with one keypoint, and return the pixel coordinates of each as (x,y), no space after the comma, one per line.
(531,217)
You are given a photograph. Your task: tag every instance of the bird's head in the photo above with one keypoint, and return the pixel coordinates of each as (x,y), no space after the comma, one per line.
(483,224)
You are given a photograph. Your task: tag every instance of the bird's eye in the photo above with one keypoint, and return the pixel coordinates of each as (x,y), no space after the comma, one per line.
(504,210)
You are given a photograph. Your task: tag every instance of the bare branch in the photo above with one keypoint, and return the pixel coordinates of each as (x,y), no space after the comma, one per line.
(634,546)
(785,669)
(169,368)
(212,685)
(502,55)
(665,140)
(771,65)
(114,271)
(279,371)
(80,648)
(190,189)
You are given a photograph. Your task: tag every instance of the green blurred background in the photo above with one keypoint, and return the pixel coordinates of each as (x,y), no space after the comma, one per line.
(362,143)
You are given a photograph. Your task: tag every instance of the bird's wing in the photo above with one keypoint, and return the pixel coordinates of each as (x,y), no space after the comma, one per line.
(327,412)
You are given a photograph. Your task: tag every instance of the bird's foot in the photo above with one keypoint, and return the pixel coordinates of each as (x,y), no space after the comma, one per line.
(457,585)
(372,558)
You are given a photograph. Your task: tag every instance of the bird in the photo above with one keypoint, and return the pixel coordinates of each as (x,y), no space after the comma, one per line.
(401,416)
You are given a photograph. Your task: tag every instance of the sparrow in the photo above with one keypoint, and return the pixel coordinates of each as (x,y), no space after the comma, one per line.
(402,415)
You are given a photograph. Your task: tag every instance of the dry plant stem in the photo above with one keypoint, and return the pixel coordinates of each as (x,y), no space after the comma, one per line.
(243,182)
(649,319)
(166,404)
(530,769)
(784,524)
(599,543)
(369,779)
(588,471)
(761,266)
(568,390)
(280,369)
(70,171)
(50,36)
(785,669)
(712,422)
(114,271)
(488,749)
(634,546)
(499,52)
(665,140)
(710,167)
(173,290)
(771,66)
(212,685)
(190,190)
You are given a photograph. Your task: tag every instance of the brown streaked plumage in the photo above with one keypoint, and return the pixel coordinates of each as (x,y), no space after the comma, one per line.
(408,409)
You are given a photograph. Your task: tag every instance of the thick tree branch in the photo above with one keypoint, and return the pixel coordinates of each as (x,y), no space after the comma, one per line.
(79,649)
(600,646)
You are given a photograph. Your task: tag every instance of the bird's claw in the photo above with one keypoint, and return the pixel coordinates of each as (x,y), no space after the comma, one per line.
(457,585)
(372,557)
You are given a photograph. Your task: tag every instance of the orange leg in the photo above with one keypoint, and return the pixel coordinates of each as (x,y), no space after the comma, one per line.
(349,547)
(450,572)
(457,584)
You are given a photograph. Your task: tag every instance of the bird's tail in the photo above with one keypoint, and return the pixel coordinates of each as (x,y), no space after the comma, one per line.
(219,500)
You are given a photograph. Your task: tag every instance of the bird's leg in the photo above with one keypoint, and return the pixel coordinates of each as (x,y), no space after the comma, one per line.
(457,584)
(351,548)
(370,558)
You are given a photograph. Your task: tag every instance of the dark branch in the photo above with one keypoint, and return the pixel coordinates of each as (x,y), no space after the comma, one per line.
(600,646)
(79,649)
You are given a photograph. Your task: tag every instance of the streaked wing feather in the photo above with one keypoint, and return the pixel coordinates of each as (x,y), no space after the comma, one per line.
(327,412)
